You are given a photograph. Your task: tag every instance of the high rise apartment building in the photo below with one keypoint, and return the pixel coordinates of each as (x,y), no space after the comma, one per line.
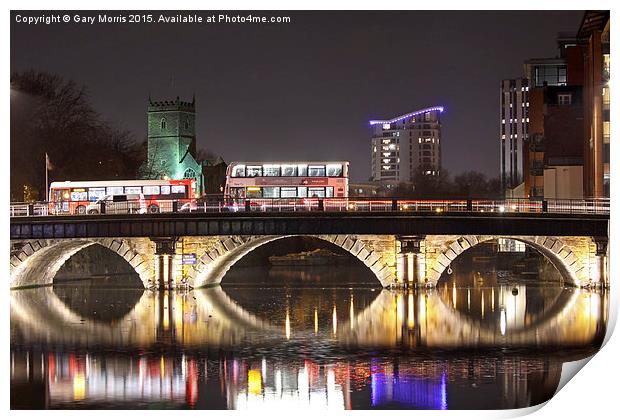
(405,144)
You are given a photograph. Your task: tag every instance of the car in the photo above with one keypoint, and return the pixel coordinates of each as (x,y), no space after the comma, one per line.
(118,204)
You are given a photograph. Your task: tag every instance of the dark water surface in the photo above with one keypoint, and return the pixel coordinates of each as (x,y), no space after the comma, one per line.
(300,338)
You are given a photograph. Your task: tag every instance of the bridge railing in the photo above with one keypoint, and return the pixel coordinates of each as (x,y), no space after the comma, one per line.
(314,204)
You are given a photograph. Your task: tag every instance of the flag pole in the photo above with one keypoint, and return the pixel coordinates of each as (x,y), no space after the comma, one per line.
(47,199)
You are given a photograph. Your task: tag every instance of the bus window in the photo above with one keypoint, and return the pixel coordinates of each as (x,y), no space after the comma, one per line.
(316,170)
(329,191)
(253,192)
(271,192)
(165,189)
(271,170)
(334,169)
(316,192)
(114,190)
(95,193)
(302,192)
(288,192)
(178,189)
(289,170)
(302,170)
(253,171)
(238,171)
(151,189)
(133,190)
(79,195)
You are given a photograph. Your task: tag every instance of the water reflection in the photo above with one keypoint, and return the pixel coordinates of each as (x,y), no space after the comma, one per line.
(504,315)
(458,346)
(93,380)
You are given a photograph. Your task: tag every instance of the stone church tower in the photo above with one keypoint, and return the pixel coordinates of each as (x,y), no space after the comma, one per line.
(172,141)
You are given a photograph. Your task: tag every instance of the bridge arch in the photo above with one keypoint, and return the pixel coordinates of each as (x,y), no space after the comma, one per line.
(214,263)
(36,263)
(568,259)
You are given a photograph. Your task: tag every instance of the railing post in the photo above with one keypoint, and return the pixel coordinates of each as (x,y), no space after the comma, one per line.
(103,207)
(321,205)
(394,205)
(247,205)
(545,206)
(470,205)
(30,209)
(175,206)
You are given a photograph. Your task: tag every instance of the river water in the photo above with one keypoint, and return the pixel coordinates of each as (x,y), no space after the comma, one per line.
(300,338)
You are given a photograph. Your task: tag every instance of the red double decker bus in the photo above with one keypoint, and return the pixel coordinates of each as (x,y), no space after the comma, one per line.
(287,180)
(129,196)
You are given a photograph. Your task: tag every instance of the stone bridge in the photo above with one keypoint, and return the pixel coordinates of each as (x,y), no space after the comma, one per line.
(395,260)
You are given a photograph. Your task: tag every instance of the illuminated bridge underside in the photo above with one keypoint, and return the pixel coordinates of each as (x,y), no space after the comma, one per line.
(36,262)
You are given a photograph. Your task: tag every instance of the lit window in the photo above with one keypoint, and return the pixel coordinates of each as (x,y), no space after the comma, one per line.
(177,189)
(238,171)
(253,171)
(291,170)
(271,170)
(189,174)
(316,170)
(334,169)
(151,189)
(564,99)
(133,190)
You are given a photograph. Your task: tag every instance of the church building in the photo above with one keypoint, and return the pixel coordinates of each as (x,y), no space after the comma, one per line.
(172,142)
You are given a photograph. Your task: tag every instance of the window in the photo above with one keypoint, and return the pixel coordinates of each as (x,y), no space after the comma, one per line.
(95,193)
(254,171)
(271,192)
(302,191)
(177,189)
(163,123)
(316,170)
(187,124)
(288,192)
(316,192)
(133,190)
(302,170)
(334,169)
(564,99)
(189,174)
(114,190)
(165,189)
(271,170)
(151,189)
(238,171)
(79,195)
(289,170)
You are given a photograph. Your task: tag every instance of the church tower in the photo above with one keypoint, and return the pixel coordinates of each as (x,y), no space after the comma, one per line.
(172,141)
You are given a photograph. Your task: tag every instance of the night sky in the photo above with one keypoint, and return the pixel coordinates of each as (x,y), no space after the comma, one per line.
(304,90)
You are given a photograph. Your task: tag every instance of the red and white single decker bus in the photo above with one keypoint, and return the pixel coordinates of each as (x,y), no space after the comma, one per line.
(130,196)
(287,180)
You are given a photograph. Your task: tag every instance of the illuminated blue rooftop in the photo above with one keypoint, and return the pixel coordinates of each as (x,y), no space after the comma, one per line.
(411,114)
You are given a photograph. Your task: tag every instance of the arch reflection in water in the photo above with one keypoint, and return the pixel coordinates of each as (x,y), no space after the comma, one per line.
(535,316)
